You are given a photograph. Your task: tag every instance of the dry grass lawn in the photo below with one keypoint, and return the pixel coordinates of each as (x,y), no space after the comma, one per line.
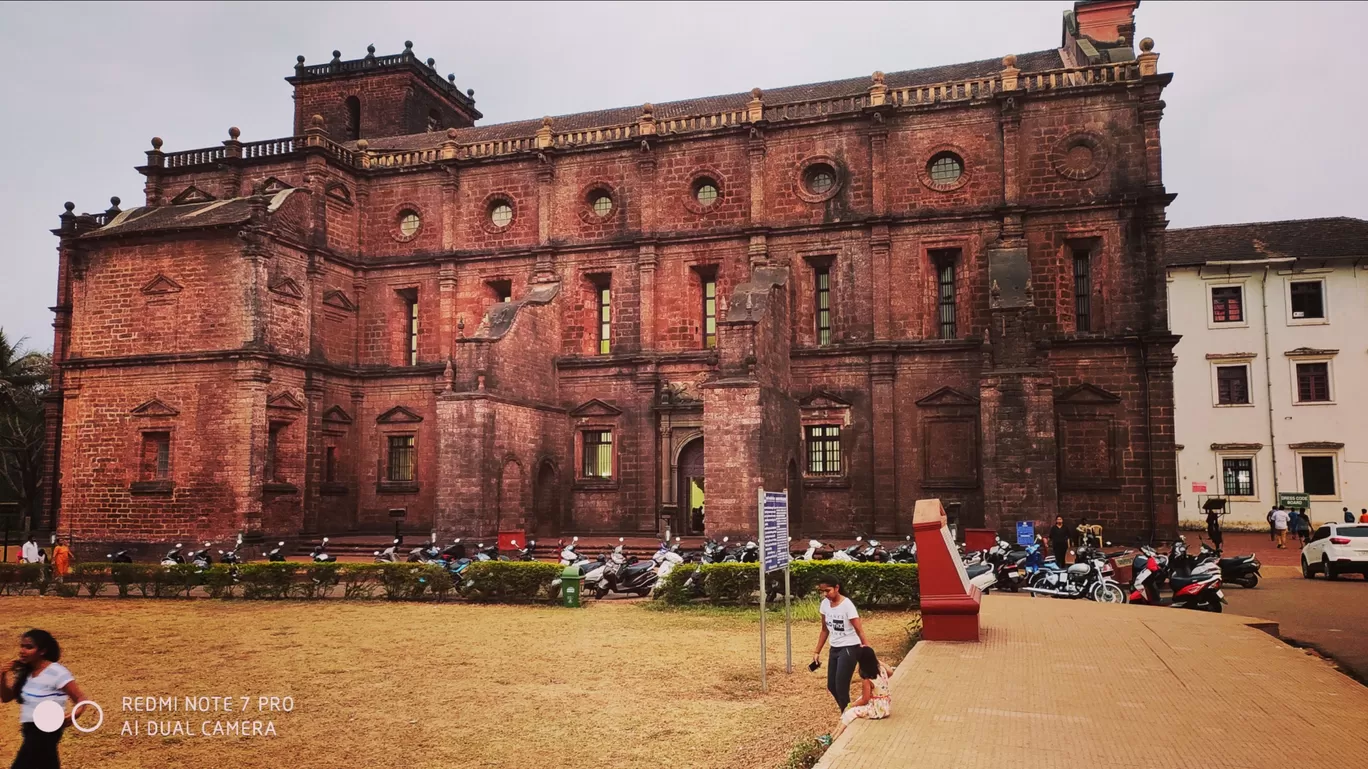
(380,685)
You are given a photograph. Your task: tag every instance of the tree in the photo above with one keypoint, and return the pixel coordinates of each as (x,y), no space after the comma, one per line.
(24,379)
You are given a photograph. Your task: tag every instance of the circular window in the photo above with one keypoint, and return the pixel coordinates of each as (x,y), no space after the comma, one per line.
(409,222)
(1079,156)
(945,168)
(501,213)
(706,192)
(601,203)
(820,179)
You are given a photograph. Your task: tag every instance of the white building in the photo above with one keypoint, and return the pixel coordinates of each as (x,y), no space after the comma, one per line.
(1271,384)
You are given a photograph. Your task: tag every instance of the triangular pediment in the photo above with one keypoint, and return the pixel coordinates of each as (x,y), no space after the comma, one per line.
(284,400)
(821,399)
(398,415)
(288,287)
(154,408)
(337,416)
(1086,393)
(339,192)
(948,396)
(161,285)
(273,185)
(336,298)
(595,408)
(192,194)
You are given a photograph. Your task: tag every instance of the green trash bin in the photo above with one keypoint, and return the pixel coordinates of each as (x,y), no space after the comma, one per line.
(572,582)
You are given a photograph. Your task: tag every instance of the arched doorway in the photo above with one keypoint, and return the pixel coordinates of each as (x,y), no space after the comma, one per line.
(689,487)
(795,500)
(545,510)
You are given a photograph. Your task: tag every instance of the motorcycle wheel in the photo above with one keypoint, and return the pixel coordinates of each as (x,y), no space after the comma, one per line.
(1214,606)
(1109,593)
(600,592)
(1250,582)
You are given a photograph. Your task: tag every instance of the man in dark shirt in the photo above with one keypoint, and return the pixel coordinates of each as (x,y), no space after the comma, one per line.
(1214,529)
(1059,540)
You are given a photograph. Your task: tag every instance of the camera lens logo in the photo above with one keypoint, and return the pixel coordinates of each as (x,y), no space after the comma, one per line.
(48,716)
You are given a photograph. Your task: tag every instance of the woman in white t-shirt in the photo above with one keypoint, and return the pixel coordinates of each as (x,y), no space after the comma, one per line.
(33,679)
(840,624)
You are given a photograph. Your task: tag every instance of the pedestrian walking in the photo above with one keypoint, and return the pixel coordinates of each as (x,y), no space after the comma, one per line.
(1348,516)
(61,560)
(1214,529)
(1059,540)
(875,700)
(1363,518)
(841,625)
(29,552)
(1304,527)
(1272,529)
(34,679)
(1280,518)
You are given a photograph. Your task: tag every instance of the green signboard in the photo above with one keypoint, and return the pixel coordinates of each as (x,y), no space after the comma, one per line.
(1294,499)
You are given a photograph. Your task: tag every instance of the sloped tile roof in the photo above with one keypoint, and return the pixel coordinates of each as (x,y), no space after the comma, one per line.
(1037,61)
(186,216)
(1331,238)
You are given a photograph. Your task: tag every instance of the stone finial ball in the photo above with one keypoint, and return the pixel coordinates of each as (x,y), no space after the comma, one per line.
(546,122)
(337,54)
(648,109)
(1009,60)
(370,49)
(114,201)
(362,144)
(69,206)
(756,93)
(451,133)
(156,142)
(470,92)
(299,59)
(1147,44)
(234,132)
(316,121)
(408,45)
(451,78)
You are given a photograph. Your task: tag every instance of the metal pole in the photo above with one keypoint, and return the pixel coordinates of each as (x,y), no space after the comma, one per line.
(760,499)
(788,624)
(6,558)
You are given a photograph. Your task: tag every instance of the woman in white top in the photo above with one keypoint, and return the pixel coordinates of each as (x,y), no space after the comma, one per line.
(840,624)
(33,679)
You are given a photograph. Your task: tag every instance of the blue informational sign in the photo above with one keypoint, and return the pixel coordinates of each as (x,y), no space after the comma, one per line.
(1025,532)
(774,536)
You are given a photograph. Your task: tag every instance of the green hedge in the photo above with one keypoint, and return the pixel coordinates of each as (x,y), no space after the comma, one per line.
(482,581)
(868,584)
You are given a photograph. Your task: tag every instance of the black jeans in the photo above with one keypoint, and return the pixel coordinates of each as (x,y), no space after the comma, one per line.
(39,750)
(841,663)
(1061,551)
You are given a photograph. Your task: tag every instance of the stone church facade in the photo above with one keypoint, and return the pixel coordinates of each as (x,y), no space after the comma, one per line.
(930,283)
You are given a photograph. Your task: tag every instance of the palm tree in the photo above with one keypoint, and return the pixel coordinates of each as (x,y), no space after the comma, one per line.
(20,371)
(23,381)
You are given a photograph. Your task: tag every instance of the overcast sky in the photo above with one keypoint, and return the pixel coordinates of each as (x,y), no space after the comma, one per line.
(1265,116)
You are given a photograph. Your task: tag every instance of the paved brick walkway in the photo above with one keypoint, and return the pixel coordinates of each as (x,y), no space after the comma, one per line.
(1074,683)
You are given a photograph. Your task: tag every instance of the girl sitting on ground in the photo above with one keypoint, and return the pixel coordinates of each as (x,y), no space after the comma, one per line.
(874,701)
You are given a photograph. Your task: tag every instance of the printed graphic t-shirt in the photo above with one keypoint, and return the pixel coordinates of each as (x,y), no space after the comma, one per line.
(837,618)
(47,685)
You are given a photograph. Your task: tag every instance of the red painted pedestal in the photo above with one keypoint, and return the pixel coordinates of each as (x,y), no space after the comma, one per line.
(949,603)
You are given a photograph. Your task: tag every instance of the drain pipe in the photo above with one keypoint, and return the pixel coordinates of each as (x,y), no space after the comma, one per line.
(1268,382)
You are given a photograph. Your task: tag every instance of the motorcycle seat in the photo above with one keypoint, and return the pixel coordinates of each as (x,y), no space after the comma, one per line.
(1238,560)
(974,570)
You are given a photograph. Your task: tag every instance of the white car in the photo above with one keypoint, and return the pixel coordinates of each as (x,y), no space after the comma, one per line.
(1337,548)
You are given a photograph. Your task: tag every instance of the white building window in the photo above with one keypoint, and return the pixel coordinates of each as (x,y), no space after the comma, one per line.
(1306,302)
(1238,480)
(1227,303)
(1232,383)
(1313,381)
(1319,475)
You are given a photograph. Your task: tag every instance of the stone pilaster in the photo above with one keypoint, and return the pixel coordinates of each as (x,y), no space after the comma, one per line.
(884,446)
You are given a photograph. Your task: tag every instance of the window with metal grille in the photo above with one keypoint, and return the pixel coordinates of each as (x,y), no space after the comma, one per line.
(598,453)
(411,326)
(1232,385)
(601,203)
(1308,299)
(709,312)
(605,319)
(330,464)
(1318,476)
(1082,263)
(706,192)
(273,452)
(1227,304)
(156,456)
(402,459)
(501,214)
(1313,382)
(823,279)
(824,449)
(945,260)
(820,178)
(1239,476)
(945,168)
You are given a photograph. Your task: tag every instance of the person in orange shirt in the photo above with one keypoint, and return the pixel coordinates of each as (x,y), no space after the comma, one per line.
(1364,518)
(61,559)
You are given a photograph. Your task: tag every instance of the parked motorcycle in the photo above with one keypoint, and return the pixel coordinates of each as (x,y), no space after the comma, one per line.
(873,553)
(713,552)
(173,557)
(389,554)
(905,553)
(201,559)
(120,557)
(277,553)
(1243,570)
(851,553)
(1089,577)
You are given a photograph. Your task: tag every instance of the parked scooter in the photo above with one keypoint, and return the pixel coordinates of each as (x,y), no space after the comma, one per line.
(320,553)
(201,559)
(277,553)
(713,552)
(851,553)
(905,553)
(173,557)
(232,557)
(873,552)
(120,557)
(624,575)
(1243,570)
(389,554)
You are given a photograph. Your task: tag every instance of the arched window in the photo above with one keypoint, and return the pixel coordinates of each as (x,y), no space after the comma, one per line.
(353,118)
